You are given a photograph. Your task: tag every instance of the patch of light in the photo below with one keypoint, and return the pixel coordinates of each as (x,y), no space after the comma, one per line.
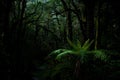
(43,1)
(35,1)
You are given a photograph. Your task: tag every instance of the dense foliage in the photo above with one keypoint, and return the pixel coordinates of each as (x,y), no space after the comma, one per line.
(59,40)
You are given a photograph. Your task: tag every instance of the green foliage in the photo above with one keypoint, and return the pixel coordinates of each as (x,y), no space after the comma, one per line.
(79,50)
(30,29)
(100,54)
(64,62)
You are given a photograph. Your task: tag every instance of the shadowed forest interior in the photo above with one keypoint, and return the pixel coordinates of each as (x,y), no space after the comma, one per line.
(60,40)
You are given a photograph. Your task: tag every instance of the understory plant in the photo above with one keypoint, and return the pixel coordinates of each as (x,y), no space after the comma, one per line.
(76,63)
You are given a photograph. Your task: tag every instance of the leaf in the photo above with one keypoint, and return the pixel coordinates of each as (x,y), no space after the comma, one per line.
(72,44)
(100,54)
(87,44)
(79,44)
(57,51)
(59,56)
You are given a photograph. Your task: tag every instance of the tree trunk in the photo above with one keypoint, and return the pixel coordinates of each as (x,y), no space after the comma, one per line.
(90,19)
(5,6)
(90,28)
(69,31)
(70,28)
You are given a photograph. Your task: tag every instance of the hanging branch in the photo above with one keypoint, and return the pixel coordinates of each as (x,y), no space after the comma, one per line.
(69,19)
(81,23)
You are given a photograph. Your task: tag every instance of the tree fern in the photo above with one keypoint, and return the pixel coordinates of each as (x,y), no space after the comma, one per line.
(68,58)
(79,50)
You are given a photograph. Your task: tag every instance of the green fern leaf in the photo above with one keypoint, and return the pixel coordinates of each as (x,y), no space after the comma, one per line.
(79,44)
(59,56)
(100,54)
(72,44)
(87,44)
(57,51)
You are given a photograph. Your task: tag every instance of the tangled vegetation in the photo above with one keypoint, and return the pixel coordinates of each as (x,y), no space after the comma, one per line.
(59,40)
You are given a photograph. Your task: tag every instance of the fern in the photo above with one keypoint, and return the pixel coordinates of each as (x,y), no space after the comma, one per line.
(79,50)
(87,44)
(57,51)
(79,44)
(64,53)
(75,47)
(99,54)
(68,58)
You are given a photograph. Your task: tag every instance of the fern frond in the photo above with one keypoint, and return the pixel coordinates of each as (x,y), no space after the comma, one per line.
(87,44)
(72,44)
(59,56)
(79,44)
(58,51)
(100,54)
